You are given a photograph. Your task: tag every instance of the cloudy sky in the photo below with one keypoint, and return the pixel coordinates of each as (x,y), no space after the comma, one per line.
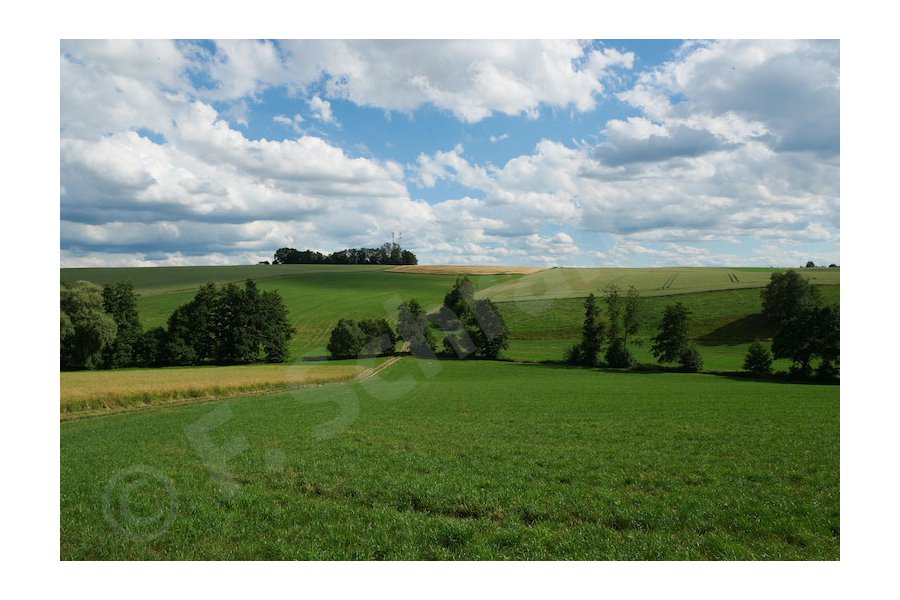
(620,153)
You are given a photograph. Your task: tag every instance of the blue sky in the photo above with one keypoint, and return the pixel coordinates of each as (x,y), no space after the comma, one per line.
(569,153)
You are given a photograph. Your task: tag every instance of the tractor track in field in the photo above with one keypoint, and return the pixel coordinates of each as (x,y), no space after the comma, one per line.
(370,373)
(669,282)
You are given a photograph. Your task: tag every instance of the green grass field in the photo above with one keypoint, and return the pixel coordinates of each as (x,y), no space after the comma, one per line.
(481,460)
(578,283)
(456,459)
(317,296)
(723,324)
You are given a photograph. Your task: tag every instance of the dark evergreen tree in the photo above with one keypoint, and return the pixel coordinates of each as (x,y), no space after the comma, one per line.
(632,317)
(614,305)
(672,340)
(592,334)
(690,359)
(276,329)
(758,360)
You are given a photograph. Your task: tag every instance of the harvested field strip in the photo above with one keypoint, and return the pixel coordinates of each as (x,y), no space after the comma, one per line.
(103,390)
(463,270)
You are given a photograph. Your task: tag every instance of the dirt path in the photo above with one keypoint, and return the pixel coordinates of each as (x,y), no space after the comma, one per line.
(370,373)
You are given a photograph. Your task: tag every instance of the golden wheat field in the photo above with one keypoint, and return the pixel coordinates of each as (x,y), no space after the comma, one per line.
(91,390)
(464,270)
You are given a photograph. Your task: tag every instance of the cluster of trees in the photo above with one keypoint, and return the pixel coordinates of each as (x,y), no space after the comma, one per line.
(473,328)
(807,329)
(99,328)
(389,253)
(350,339)
(623,318)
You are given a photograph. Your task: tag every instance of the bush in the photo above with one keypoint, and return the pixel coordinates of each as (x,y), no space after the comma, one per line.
(618,356)
(758,360)
(691,361)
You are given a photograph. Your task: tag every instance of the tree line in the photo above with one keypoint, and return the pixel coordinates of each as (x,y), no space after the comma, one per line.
(100,328)
(473,329)
(807,330)
(389,253)
(605,343)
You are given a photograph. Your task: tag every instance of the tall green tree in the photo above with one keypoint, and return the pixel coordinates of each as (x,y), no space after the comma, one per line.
(758,360)
(489,333)
(814,333)
(178,344)
(632,317)
(85,328)
(787,295)
(412,325)
(612,296)
(347,340)
(587,352)
(460,297)
(276,329)
(120,302)
(672,340)
(457,319)
(238,335)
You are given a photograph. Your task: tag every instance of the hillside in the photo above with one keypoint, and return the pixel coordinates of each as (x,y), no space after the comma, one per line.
(542,307)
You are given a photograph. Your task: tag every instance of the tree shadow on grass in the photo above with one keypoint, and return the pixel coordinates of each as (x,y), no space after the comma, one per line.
(739,331)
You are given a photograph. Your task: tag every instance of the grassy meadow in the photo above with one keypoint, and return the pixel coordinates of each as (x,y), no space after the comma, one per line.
(465,460)
(515,459)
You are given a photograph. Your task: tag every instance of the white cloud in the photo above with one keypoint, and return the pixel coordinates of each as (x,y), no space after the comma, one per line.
(710,159)
(294,122)
(321,110)
(470,78)
(240,113)
(789,89)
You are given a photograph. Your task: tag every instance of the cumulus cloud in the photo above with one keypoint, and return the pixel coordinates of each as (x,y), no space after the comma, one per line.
(734,141)
(292,122)
(321,110)
(472,79)
(789,88)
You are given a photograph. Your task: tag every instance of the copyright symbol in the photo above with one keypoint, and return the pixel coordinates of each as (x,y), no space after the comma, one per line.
(140,503)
